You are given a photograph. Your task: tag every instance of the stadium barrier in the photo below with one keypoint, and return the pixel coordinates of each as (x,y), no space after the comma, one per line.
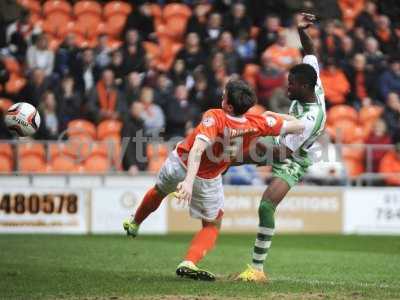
(98,204)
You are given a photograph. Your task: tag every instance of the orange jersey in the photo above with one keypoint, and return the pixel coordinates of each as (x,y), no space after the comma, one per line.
(221,130)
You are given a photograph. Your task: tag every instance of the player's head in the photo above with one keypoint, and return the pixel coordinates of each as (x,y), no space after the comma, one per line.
(301,82)
(238,97)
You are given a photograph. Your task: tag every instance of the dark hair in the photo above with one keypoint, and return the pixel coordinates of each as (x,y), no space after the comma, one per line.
(240,95)
(305,73)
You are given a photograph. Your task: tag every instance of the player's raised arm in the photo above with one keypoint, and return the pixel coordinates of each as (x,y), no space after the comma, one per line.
(306,21)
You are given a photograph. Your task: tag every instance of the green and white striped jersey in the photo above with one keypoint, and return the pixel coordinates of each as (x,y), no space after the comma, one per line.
(312,114)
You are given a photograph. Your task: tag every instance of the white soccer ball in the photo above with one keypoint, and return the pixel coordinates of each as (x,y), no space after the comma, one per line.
(23,119)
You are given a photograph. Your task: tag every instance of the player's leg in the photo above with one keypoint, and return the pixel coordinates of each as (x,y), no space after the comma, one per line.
(201,244)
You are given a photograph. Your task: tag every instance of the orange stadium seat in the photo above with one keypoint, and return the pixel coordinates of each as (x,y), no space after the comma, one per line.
(31,149)
(81,127)
(176,27)
(115,24)
(96,164)
(62,164)
(116,8)
(31,163)
(31,5)
(87,6)
(107,128)
(156,12)
(88,21)
(344,131)
(250,73)
(5,104)
(176,9)
(6,165)
(369,114)
(102,149)
(56,22)
(54,43)
(157,150)
(52,6)
(35,19)
(15,84)
(342,112)
(61,149)
(355,152)
(6,150)
(354,167)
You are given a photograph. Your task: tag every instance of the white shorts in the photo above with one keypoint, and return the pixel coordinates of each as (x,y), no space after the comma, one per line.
(208,194)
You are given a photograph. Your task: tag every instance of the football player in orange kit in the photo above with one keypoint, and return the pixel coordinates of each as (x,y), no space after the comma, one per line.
(194,168)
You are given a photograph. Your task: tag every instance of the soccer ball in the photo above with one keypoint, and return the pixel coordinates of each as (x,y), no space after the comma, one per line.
(23,119)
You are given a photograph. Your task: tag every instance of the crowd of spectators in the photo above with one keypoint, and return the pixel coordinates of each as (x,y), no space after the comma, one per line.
(357,41)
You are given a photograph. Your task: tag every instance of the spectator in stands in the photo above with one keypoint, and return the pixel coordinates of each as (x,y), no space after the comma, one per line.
(85,71)
(179,74)
(198,21)
(49,116)
(291,33)
(279,101)
(40,56)
(132,87)
(133,53)
(390,163)
(141,19)
(192,54)
(133,128)
(383,33)
(246,47)
(152,114)
(281,55)
(213,30)
(375,58)
(378,136)
(335,83)
(232,59)
(268,79)
(330,38)
(36,86)
(216,73)
(117,66)
(69,102)
(242,175)
(102,51)
(180,115)
(268,34)
(392,113)
(390,80)
(366,18)
(350,10)
(345,52)
(105,101)
(202,94)
(66,55)
(362,81)
(237,20)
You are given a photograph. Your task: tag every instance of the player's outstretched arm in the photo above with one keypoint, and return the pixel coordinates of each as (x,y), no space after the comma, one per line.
(185,188)
(306,21)
(291,124)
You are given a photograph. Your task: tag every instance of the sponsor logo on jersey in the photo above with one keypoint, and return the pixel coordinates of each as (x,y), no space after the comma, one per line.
(271,121)
(208,121)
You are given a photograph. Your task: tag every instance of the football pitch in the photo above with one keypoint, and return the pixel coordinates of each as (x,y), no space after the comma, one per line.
(115,267)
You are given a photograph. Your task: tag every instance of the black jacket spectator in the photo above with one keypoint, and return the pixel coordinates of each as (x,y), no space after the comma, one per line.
(141,19)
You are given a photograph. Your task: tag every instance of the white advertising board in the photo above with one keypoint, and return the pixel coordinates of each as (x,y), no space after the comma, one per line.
(110,206)
(372,210)
(43,210)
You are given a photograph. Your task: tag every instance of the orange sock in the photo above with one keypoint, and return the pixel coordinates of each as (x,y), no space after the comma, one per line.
(150,203)
(202,242)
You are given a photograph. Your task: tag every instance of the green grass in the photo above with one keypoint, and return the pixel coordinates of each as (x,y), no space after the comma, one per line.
(114,267)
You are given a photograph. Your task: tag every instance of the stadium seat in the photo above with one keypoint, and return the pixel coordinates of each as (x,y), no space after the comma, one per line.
(355,152)
(52,6)
(6,165)
(107,128)
(87,6)
(369,114)
(344,131)
(250,73)
(55,23)
(81,127)
(35,19)
(12,65)
(176,27)
(101,148)
(6,150)
(116,8)
(152,49)
(354,168)
(54,43)
(157,150)
(342,112)
(88,21)
(31,149)
(156,12)
(15,84)
(115,24)
(176,9)
(62,164)
(5,104)
(61,149)
(31,164)
(32,5)
(96,164)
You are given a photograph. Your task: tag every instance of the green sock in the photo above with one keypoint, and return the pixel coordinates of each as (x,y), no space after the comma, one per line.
(266,229)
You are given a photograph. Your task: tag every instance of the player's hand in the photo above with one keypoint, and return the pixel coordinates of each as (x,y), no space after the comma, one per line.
(306,20)
(184,192)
